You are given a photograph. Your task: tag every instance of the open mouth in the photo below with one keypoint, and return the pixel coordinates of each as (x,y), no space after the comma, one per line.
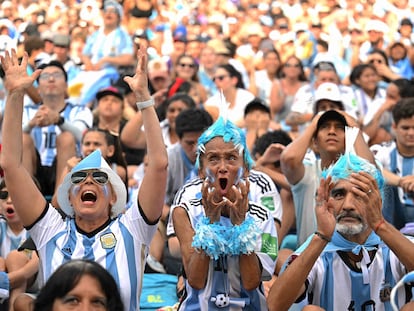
(223,183)
(88,196)
(9,211)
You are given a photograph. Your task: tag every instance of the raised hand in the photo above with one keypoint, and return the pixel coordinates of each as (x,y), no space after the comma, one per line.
(213,202)
(324,212)
(272,153)
(240,206)
(139,82)
(16,77)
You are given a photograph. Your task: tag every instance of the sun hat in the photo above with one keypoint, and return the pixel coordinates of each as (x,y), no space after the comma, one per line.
(93,161)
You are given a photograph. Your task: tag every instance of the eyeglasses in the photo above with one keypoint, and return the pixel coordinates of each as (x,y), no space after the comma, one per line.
(98,176)
(292,65)
(220,78)
(378,61)
(4,195)
(183,65)
(55,75)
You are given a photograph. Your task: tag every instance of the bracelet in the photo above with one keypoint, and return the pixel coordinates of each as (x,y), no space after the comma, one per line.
(322,237)
(27,128)
(60,121)
(379,225)
(145,104)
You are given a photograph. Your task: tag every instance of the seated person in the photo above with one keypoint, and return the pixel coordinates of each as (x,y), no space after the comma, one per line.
(18,268)
(355,256)
(228,243)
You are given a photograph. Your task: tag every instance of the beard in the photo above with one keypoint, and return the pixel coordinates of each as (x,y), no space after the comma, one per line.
(350,229)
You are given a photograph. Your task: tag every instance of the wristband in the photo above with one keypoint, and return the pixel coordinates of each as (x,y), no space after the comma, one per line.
(60,121)
(379,225)
(322,237)
(27,128)
(145,104)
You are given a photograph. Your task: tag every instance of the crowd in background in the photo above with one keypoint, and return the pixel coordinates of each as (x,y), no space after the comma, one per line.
(275,65)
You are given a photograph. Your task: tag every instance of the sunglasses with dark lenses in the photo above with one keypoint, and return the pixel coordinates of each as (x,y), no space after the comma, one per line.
(292,65)
(182,65)
(220,78)
(4,195)
(98,176)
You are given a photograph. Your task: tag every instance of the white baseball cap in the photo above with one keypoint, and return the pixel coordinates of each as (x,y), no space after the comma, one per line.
(328,91)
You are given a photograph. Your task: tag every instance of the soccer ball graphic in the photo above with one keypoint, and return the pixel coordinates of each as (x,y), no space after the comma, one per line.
(221,300)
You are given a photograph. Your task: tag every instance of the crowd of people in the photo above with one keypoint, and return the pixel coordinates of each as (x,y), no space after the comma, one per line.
(261,151)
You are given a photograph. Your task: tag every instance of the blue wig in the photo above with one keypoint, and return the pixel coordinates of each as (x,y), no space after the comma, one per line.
(230,133)
(350,163)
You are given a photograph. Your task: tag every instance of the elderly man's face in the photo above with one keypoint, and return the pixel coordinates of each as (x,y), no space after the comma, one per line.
(349,209)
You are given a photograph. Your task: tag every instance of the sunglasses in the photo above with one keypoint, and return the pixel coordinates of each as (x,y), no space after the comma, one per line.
(4,195)
(292,65)
(99,177)
(220,78)
(182,65)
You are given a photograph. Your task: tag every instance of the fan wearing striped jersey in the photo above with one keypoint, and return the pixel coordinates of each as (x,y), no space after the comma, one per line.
(355,257)
(92,195)
(228,243)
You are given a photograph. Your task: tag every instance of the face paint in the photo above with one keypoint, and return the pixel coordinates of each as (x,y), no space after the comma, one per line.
(75,190)
(210,176)
(105,189)
(239,176)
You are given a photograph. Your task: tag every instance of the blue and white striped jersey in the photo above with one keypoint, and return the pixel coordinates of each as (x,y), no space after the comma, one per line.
(45,137)
(262,191)
(120,246)
(115,43)
(10,241)
(335,286)
(224,274)
(387,154)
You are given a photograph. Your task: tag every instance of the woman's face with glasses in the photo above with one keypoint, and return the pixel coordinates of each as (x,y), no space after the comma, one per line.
(222,79)
(186,68)
(91,195)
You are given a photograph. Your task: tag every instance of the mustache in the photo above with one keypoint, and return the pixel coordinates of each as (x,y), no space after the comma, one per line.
(348,214)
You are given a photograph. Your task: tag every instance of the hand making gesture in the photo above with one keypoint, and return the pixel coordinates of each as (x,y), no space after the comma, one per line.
(16,77)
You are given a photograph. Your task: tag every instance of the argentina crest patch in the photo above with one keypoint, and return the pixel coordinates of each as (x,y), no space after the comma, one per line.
(108,240)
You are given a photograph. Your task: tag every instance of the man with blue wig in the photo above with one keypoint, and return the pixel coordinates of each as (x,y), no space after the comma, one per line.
(355,257)
(228,244)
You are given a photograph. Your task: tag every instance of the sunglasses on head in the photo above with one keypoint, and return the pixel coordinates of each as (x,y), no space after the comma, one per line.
(98,176)
(4,194)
